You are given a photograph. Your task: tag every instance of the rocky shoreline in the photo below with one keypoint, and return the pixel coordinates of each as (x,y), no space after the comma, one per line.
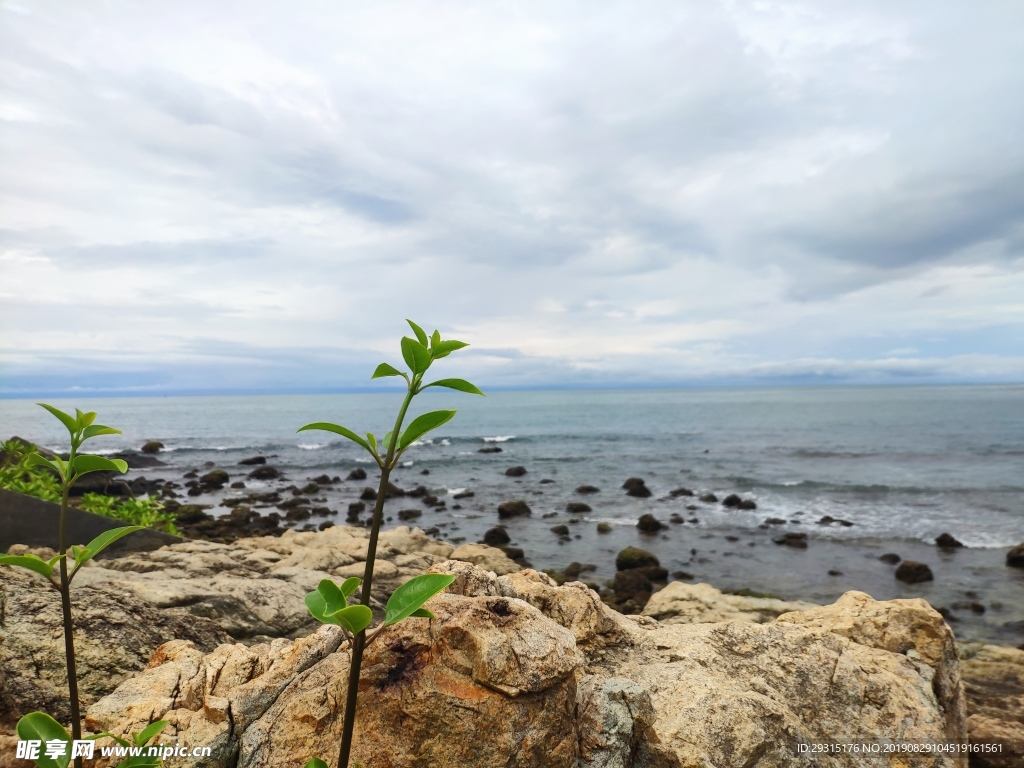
(735,679)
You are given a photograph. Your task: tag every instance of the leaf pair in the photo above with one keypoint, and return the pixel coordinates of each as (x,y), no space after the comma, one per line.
(80,555)
(81,424)
(329,605)
(39,726)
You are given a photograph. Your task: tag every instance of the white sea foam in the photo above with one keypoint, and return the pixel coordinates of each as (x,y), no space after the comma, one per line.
(310,446)
(499,439)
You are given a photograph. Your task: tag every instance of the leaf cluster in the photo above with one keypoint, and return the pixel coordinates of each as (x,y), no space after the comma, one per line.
(39,726)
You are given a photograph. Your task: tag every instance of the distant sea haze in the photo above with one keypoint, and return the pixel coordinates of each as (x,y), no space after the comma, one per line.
(898,462)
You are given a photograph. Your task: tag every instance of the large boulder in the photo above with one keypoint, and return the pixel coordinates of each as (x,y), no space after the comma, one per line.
(518,671)
(681,603)
(994,685)
(488,558)
(1015,557)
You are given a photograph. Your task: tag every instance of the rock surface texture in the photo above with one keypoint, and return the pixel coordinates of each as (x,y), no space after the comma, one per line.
(516,671)
(994,684)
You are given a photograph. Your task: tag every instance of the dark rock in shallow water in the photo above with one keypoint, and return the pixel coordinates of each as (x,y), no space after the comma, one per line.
(393,491)
(913,572)
(834,572)
(325,525)
(682,575)
(680,492)
(238,484)
(409,514)
(561,530)
(732,500)
(774,521)
(890,557)
(464,495)
(946,541)
(153,446)
(634,557)
(253,461)
(489,449)
(515,471)
(650,524)
(676,518)
(214,478)
(323,479)
(418,492)
(356,507)
(747,504)
(1015,557)
(546,481)
(356,474)
(709,498)
(635,486)
(368,494)
(265,473)
(587,489)
(577,507)
(628,583)
(795,540)
(604,528)
(518,508)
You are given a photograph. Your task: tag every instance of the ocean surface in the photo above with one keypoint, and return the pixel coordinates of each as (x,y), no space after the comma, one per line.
(902,464)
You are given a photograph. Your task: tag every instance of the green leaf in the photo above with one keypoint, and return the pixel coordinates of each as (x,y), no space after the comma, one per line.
(149,732)
(98,429)
(87,463)
(107,538)
(317,606)
(39,726)
(66,420)
(385,370)
(416,356)
(372,440)
(334,598)
(38,460)
(386,442)
(423,424)
(355,618)
(422,613)
(445,348)
(460,384)
(315,762)
(350,585)
(420,334)
(435,339)
(29,562)
(338,430)
(409,597)
(85,419)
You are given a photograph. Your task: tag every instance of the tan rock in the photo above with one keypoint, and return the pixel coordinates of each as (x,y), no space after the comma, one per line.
(994,686)
(489,558)
(681,603)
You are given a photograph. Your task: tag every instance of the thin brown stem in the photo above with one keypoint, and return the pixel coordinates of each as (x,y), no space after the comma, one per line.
(69,632)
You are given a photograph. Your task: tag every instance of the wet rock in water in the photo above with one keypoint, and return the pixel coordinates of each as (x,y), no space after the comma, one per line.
(826,520)
(237,484)
(515,471)
(680,492)
(496,537)
(791,539)
(298,513)
(265,473)
(575,569)
(747,504)
(577,507)
(518,508)
(774,521)
(946,541)
(356,508)
(424,471)
(356,474)
(489,449)
(1015,557)
(409,514)
(153,446)
(834,572)
(969,605)
(635,486)
(214,479)
(634,557)
(604,528)
(368,494)
(627,583)
(323,480)
(587,489)
(912,572)
(561,530)
(732,500)
(676,518)
(546,481)
(393,492)
(464,495)
(890,557)
(325,525)
(709,498)
(310,488)
(419,492)
(515,554)
(252,461)
(650,524)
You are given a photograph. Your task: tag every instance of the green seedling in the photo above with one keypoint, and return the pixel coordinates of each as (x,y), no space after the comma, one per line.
(55,570)
(329,603)
(45,731)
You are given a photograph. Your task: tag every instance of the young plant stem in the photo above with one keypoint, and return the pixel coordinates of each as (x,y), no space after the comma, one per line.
(371,555)
(69,637)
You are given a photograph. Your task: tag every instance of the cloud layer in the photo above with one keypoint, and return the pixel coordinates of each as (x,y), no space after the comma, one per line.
(242,197)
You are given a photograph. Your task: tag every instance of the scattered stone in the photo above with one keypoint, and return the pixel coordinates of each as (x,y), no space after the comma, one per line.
(587,489)
(496,537)
(518,508)
(577,507)
(676,518)
(356,474)
(238,484)
(826,520)
(561,530)
(635,487)
(746,504)
(546,481)
(325,525)
(153,446)
(324,479)
(946,541)
(214,479)
(650,524)
(680,492)
(1015,557)
(774,521)
(969,605)
(834,572)
(265,473)
(464,495)
(890,557)
(409,514)
(912,572)
(368,494)
(489,449)
(732,500)
(253,461)
(709,498)
(634,557)
(515,471)
(792,539)
(680,603)
(604,528)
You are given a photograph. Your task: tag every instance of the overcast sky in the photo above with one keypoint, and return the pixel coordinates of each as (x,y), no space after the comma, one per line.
(254,195)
